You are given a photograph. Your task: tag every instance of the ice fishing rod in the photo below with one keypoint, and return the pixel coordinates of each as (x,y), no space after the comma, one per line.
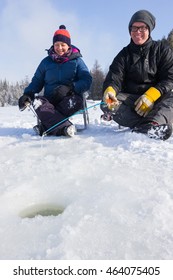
(30,107)
(78,112)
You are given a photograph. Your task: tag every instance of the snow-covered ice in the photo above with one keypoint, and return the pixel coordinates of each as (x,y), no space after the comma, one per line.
(114,190)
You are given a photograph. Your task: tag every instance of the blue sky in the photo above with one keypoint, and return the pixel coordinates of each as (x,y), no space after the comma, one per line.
(99,28)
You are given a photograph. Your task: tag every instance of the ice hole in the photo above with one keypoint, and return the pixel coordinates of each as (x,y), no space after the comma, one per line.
(42,210)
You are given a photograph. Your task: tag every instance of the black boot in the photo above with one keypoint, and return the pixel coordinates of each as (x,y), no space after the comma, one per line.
(39,129)
(154,130)
(162,132)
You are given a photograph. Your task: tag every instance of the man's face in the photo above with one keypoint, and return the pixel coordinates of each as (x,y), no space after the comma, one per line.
(139,33)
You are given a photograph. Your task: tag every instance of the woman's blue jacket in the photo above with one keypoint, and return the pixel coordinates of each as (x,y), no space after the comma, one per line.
(51,74)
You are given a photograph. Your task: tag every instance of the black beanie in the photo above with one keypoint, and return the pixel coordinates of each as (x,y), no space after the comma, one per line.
(143,16)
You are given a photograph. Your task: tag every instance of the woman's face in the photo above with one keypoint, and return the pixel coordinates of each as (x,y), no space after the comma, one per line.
(139,33)
(60,48)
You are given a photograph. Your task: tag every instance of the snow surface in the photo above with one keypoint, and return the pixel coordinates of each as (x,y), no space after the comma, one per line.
(115,187)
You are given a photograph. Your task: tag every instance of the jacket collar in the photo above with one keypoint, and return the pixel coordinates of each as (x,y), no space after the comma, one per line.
(140,48)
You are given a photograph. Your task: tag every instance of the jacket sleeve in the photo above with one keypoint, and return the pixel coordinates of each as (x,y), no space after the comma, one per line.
(165,69)
(116,73)
(37,82)
(83,79)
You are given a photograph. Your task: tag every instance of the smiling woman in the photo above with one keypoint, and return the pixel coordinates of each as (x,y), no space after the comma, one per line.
(62,78)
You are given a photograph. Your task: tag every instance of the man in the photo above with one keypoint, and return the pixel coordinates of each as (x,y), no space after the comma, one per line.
(138,87)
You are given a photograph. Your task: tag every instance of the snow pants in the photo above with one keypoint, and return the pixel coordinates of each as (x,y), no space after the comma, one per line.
(125,114)
(49,115)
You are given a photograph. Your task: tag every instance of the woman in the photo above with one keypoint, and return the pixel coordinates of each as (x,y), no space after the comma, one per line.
(64,77)
(138,87)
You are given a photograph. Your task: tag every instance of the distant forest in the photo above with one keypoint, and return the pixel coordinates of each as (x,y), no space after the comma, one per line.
(10,93)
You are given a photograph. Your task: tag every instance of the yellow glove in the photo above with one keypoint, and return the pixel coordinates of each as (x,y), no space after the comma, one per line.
(110,99)
(145,102)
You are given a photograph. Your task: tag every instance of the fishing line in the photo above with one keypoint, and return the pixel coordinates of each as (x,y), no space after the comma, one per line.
(45,133)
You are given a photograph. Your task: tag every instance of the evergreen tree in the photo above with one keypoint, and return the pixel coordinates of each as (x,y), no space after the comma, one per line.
(9,93)
(170,38)
(4,96)
(97,83)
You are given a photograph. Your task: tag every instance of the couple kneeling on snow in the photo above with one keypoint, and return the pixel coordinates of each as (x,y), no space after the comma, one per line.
(137,91)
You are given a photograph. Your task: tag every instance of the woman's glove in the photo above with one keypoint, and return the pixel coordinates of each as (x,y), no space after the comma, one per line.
(145,102)
(25,100)
(60,92)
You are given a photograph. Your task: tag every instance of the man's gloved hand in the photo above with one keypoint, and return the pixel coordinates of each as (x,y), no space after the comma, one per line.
(109,97)
(60,92)
(24,101)
(145,102)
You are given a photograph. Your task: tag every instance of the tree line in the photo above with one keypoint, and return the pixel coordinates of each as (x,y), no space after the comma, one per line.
(9,94)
